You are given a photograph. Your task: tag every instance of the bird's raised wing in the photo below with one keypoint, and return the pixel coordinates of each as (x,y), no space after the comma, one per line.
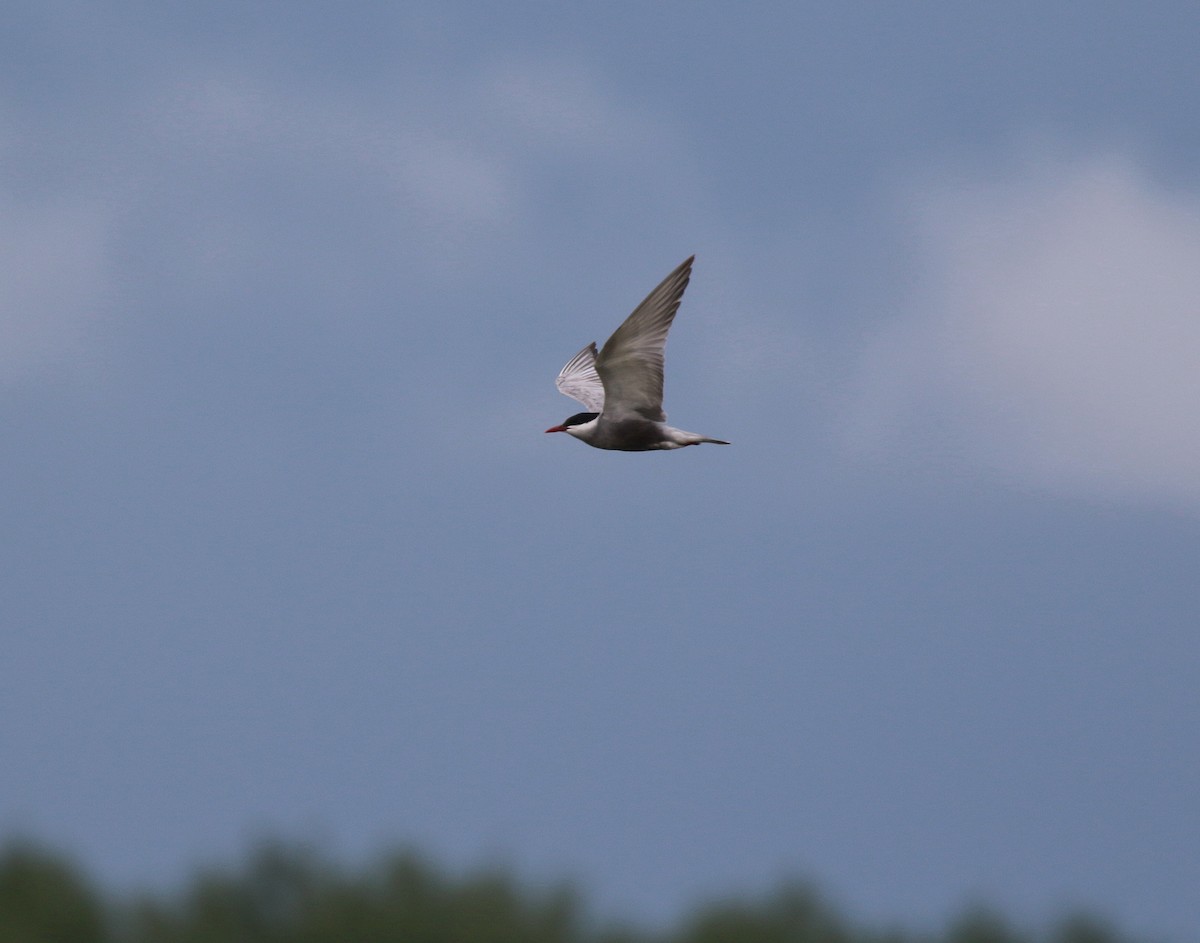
(579,379)
(631,361)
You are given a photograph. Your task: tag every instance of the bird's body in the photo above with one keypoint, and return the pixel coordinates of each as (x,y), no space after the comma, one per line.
(622,384)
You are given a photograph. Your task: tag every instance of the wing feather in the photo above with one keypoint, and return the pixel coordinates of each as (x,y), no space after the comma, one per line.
(630,364)
(579,379)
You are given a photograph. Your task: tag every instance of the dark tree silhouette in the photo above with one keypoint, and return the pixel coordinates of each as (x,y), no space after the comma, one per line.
(285,893)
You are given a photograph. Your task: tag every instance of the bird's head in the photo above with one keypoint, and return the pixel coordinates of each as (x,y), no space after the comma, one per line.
(575,424)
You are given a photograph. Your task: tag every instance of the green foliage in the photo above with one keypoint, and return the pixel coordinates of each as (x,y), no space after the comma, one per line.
(1081,929)
(793,914)
(43,899)
(980,925)
(291,894)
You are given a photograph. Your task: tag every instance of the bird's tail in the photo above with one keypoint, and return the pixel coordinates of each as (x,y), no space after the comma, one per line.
(678,438)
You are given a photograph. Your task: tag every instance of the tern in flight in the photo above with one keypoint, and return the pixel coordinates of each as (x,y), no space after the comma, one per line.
(622,386)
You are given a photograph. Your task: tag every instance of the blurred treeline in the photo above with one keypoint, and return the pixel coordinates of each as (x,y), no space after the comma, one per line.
(293,894)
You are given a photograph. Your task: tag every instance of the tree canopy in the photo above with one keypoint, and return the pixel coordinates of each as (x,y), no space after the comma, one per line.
(289,892)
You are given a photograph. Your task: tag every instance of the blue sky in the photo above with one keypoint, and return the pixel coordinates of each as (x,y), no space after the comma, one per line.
(283,294)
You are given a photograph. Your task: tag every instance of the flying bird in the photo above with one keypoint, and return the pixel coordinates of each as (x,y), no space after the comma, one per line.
(622,385)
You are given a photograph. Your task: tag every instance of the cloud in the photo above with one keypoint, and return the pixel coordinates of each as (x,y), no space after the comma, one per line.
(409,151)
(1053,333)
(52,283)
(561,107)
(521,183)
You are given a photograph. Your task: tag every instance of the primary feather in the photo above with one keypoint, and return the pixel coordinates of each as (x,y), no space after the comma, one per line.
(630,363)
(579,379)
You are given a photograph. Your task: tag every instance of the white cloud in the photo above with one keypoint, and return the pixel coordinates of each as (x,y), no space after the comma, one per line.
(1054,333)
(450,179)
(51,284)
(560,106)
(224,179)
(206,168)
(408,148)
